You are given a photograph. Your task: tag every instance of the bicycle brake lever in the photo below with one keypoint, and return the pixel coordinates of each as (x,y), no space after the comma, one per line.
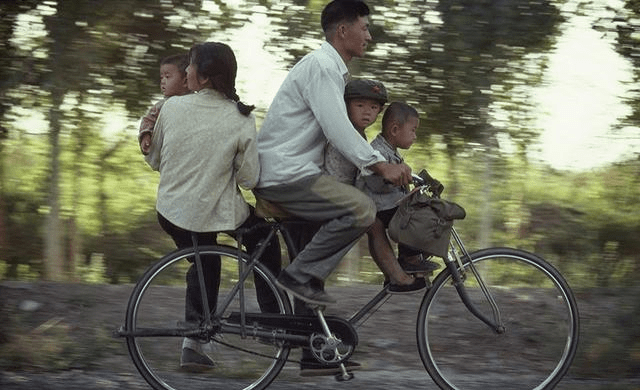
(417,180)
(434,185)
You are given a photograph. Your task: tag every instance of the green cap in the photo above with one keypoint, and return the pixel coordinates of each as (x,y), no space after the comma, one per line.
(366,89)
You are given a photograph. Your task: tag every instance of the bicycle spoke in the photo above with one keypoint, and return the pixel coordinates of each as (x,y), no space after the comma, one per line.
(241,361)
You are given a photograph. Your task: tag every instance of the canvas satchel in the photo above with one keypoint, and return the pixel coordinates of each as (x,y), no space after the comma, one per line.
(424,223)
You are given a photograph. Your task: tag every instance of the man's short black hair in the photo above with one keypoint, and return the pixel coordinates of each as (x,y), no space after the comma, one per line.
(342,11)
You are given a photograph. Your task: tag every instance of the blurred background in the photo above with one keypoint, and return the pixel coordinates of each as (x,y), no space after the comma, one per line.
(530,116)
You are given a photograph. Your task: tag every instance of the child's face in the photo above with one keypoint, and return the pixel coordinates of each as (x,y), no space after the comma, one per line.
(363,112)
(403,136)
(172,81)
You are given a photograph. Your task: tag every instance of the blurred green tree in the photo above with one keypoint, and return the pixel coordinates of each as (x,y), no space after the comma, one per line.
(468,66)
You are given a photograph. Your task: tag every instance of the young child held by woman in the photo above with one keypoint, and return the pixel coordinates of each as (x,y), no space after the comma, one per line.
(173,82)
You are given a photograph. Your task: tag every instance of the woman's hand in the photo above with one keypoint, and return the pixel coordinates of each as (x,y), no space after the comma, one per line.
(145,143)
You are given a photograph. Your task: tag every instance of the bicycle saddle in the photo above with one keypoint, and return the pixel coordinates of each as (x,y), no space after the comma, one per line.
(268,209)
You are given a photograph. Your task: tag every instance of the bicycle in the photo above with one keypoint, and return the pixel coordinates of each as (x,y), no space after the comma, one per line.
(497,332)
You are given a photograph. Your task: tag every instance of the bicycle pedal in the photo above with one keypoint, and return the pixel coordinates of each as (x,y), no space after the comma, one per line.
(117,333)
(315,306)
(344,377)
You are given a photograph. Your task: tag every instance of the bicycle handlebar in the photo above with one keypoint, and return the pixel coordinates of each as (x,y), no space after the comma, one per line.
(417,180)
(425,179)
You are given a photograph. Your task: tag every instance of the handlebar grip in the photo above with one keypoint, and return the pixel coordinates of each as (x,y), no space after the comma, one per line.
(417,180)
(434,185)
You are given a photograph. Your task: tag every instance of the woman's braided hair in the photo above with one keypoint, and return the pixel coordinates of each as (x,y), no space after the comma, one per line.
(216,61)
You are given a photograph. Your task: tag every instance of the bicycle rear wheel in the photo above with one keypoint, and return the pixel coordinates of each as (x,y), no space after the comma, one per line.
(537,308)
(155,327)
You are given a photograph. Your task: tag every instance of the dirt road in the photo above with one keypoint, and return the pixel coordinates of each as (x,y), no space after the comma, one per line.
(60,337)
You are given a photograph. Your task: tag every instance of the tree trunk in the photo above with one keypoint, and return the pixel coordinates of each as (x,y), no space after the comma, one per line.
(3,226)
(486,222)
(75,249)
(53,250)
(57,84)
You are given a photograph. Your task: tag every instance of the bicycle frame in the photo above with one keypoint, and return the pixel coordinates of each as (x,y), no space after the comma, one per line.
(269,332)
(244,327)
(454,263)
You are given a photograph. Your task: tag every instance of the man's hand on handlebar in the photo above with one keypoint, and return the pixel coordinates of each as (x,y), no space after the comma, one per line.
(398,174)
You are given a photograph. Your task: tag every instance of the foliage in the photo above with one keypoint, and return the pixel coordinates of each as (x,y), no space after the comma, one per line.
(22,252)
(76,72)
(580,221)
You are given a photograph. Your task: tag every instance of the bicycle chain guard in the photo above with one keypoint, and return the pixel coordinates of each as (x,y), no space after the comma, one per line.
(291,328)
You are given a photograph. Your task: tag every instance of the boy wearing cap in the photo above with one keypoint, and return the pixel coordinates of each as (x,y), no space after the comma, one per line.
(365,100)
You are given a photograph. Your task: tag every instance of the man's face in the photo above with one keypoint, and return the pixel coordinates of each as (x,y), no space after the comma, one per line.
(357,36)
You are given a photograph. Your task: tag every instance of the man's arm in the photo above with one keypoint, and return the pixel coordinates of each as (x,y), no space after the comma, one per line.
(324,94)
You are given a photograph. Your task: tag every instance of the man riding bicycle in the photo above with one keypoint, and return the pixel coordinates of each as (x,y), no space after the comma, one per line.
(307,112)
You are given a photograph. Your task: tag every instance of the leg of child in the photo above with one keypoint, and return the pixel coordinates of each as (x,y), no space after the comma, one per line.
(413,262)
(382,253)
(145,143)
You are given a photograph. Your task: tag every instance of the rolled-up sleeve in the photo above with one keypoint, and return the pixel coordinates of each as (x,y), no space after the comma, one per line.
(246,162)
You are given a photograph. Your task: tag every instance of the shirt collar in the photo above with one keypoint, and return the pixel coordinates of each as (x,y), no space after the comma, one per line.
(212,92)
(391,150)
(335,56)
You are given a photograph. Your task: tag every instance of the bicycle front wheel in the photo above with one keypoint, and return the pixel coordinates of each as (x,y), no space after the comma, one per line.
(155,325)
(537,309)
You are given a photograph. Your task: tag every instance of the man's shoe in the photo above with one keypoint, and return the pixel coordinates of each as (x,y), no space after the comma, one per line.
(193,358)
(418,284)
(417,264)
(304,291)
(315,368)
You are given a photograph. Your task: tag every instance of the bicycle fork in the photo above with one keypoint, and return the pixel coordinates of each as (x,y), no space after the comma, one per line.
(456,267)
